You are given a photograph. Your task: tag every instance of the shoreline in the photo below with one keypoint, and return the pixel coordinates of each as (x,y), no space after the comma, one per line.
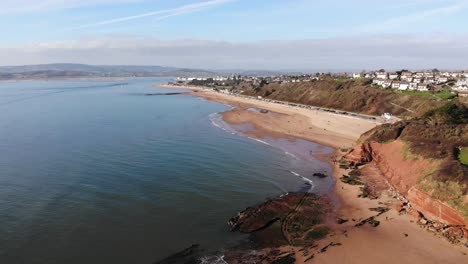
(283,121)
(397,235)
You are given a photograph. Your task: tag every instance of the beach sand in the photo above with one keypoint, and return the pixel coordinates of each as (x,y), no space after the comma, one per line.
(333,130)
(398,239)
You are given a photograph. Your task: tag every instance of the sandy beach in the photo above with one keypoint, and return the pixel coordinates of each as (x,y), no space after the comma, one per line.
(333,130)
(398,239)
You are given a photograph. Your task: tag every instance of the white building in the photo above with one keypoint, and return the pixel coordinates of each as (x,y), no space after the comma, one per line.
(413,86)
(406,76)
(461,88)
(423,87)
(220,78)
(396,85)
(379,82)
(393,76)
(356,75)
(462,82)
(403,86)
(442,79)
(381,75)
(419,74)
(387,83)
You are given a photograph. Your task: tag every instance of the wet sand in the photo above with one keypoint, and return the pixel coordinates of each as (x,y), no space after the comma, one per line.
(398,239)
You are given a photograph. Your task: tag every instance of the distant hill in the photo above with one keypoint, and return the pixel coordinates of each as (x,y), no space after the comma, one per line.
(70,70)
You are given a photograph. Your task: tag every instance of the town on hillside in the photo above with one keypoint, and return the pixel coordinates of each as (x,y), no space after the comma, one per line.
(429,81)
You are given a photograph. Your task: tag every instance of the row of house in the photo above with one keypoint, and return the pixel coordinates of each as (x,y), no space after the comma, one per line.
(461,85)
(439,77)
(412,86)
(189,79)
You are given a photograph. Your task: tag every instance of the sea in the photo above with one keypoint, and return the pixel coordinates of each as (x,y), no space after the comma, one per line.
(115,171)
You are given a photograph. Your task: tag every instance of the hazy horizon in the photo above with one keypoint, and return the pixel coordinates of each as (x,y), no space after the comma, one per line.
(237,70)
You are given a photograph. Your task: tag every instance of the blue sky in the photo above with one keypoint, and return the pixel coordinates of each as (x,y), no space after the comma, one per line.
(52,30)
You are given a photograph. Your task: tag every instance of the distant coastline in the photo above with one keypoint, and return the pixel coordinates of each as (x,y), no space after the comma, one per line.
(77,79)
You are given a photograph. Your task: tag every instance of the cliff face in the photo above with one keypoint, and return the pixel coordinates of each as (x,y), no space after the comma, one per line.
(435,209)
(419,158)
(407,175)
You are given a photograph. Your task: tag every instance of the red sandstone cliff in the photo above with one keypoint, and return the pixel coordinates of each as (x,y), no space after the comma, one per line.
(405,173)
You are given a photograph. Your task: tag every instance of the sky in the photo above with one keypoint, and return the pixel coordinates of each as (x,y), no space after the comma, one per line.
(237,34)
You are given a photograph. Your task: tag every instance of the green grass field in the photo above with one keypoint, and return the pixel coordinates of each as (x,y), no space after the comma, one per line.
(441,95)
(463,156)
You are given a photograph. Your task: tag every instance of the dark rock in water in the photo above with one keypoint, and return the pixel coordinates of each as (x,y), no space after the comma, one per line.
(320,175)
(293,219)
(263,111)
(254,219)
(288,217)
(189,255)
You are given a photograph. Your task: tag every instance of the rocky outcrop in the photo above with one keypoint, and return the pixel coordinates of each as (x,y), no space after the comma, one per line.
(360,155)
(291,220)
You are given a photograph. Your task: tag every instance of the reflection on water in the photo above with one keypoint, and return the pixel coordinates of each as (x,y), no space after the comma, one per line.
(90,173)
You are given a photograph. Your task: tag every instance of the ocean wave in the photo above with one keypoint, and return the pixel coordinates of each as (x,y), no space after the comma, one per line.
(217,121)
(291,155)
(260,141)
(295,173)
(213,260)
(306,180)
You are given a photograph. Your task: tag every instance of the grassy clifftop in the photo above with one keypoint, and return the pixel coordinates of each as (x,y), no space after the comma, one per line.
(355,96)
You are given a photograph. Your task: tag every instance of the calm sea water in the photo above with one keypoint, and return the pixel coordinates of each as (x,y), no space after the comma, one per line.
(97,172)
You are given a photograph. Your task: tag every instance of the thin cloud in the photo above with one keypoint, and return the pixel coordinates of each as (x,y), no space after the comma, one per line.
(190,8)
(11,7)
(408,19)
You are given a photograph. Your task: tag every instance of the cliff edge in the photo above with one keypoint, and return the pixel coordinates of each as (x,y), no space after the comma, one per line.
(419,158)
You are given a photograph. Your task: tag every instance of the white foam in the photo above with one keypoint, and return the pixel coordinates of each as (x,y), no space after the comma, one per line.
(308,181)
(295,173)
(217,121)
(291,155)
(213,260)
(261,141)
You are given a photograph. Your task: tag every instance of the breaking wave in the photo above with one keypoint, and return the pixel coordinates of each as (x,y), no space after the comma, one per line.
(306,180)
(261,141)
(213,260)
(217,121)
